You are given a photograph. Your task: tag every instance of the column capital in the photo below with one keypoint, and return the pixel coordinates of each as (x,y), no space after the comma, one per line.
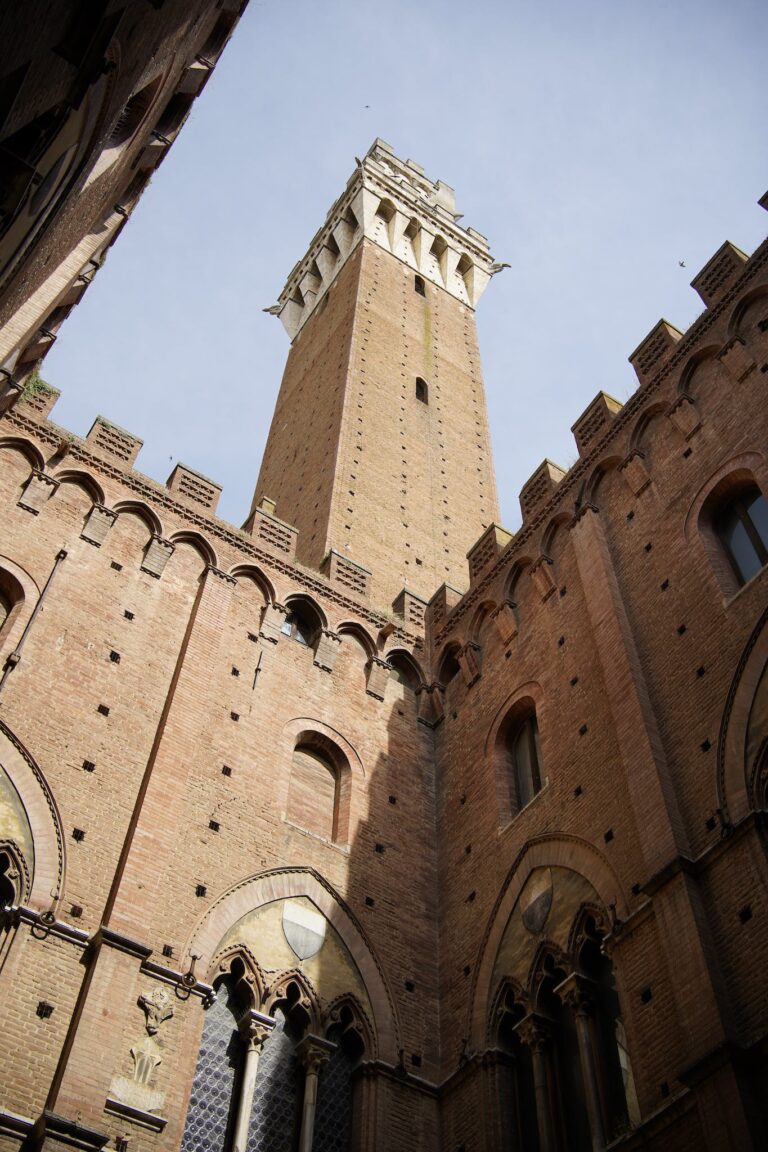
(578,993)
(535,1031)
(255,1028)
(313,1051)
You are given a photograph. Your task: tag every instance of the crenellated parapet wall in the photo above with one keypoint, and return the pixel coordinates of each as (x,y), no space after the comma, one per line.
(391,203)
(610,435)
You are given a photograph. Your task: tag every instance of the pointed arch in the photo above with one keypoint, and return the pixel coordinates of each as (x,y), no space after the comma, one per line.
(484,609)
(744,304)
(521,564)
(82,480)
(548,850)
(199,543)
(143,512)
(304,603)
(639,428)
(404,663)
(695,361)
(284,883)
(25,448)
(598,474)
(42,813)
(254,573)
(362,635)
(734,773)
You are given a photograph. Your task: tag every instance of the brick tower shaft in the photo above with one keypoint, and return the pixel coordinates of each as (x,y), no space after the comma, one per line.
(379,447)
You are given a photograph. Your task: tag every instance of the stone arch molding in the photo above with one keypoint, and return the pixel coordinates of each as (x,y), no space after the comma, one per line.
(543,851)
(286,883)
(303,724)
(44,820)
(733,771)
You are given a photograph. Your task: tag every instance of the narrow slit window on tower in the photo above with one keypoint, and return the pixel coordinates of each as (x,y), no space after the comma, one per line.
(419,285)
(422,390)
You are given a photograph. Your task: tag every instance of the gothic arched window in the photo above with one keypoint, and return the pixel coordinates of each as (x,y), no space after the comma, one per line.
(313,794)
(524,750)
(741,524)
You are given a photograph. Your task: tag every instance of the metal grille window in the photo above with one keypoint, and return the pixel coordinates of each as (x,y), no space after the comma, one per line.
(274,1123)
(333,1119)
(212,1103)
(742,528)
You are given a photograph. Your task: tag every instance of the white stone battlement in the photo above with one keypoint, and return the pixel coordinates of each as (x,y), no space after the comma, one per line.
(392,203)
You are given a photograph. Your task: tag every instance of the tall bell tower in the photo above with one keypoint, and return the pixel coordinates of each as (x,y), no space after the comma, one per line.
(379,446)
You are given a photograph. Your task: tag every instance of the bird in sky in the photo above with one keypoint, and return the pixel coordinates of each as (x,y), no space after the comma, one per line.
(681,263)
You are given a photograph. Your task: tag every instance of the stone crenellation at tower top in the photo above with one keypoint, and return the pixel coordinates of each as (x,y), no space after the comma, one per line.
(392,203)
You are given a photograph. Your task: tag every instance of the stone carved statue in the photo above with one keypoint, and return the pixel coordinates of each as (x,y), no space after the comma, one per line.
(157,1007)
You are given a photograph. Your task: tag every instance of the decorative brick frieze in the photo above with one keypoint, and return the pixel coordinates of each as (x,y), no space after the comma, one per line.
(99,522)
(113,442)
(542,577)
(655,349)
(635,473)
(487,550)
(736,359)
(37,491)
(440,606)
(39,398)
(505,619)
(685,417)
(190,485)
(265,527)
(345,572)
(719,273)
(594,420)
(157,555)
(538,490)
(378,673)
(410,608)
(327,650)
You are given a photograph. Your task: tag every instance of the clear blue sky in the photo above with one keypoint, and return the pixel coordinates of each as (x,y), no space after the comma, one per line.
(595,142)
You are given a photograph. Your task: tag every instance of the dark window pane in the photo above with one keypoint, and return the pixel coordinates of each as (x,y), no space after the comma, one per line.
(741,549)
(757,510)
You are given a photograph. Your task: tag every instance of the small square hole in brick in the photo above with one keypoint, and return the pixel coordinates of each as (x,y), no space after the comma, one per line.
(710,823)
(664,1089)
(235,716)
(200,890)
(745,913)
(78,834)
(646,995)
(128,615)
(410,986)
(583,730)
(705,745)
(214,825)
(369,901)
(103,709)
(648,546)
(507,655)
(235,671)
(114,657)
(168,951)
(636,889)
(467,969)
(563,592)
(687,453)
(380,849)
(117,567)
(89,766)
(226,770)
(664,585)
(393,799)
(700,671)
(467,849)
(681,629)
(608,836)
(578,790)
(76,911)
(561,641)
(472,897)
(462,800)
(253,637)
(630,515)
(415,1059)
(44,1009)
(574,681)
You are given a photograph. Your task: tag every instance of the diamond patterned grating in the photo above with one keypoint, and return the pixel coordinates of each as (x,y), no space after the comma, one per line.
(212,1101)
(274,1119)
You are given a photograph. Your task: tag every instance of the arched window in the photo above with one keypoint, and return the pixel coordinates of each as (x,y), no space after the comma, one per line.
(11,596)
(741,525)
(313,794)
(524,751)
(301,625)
(449,666)
(404,671)
(8,874)
(419,285)
(422,390)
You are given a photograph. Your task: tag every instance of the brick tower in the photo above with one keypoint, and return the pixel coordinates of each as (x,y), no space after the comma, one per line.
(379,450)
